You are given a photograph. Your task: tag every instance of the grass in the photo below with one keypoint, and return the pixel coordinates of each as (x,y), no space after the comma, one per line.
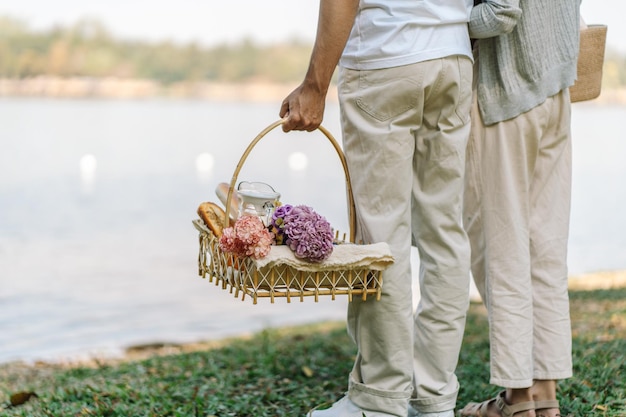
(285,372)
(598,387)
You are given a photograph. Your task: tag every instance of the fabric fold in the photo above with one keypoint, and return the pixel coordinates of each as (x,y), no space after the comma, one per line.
(376,256)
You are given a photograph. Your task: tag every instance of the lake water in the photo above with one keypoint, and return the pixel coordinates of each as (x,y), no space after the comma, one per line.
(97,249)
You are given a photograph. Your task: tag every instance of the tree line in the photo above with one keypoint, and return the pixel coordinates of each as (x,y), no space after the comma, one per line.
(87,49)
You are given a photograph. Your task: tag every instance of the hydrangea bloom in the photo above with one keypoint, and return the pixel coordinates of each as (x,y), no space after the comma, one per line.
(277,224)
(308,234)
(248,237)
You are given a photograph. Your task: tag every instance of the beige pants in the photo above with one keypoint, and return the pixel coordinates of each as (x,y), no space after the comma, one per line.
(517,205)
(405,131)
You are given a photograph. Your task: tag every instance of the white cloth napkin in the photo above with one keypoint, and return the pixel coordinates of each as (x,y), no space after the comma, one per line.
(376,256)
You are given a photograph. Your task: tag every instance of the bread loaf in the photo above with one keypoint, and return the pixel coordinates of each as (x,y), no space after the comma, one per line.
(222,193)
(213,216)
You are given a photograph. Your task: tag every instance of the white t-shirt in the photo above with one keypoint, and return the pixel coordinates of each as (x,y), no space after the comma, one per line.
(391,33)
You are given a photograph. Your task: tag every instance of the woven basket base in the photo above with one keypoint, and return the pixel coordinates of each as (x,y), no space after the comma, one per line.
(242,278)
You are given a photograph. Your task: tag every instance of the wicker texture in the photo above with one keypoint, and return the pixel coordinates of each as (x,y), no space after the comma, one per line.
(242,277)
(590,61)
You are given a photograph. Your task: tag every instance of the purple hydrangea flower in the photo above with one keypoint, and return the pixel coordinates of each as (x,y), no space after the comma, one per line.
(308,234)
(277,224)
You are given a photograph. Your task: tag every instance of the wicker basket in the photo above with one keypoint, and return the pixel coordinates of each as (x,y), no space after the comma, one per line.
(590,61)
(244,276)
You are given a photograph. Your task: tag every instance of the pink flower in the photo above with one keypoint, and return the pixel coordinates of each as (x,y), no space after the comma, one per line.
(248,237)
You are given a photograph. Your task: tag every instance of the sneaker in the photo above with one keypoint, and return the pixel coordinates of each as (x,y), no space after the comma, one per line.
(342,408)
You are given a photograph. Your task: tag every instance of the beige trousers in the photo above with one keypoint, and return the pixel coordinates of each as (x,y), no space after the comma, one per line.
(405,131)
(517,206)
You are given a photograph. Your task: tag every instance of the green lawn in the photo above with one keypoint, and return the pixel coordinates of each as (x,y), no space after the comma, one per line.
(285,372)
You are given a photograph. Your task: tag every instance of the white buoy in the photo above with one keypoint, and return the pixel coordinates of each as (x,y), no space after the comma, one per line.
(88,165)
(204,162)
(297,161)
(204,166)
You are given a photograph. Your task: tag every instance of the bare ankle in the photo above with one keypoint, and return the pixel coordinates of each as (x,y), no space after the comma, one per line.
(544,395)
(543,389)
(518,395)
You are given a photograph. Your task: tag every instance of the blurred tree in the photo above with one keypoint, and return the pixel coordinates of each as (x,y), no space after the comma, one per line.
(88,49)
(614,71)
(58,58)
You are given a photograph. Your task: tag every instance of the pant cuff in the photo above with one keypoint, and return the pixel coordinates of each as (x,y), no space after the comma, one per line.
(553,375)
(435,405)
(393,403)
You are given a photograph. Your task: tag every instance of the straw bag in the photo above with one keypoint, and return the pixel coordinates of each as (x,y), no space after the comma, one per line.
(590,61)
(352,269)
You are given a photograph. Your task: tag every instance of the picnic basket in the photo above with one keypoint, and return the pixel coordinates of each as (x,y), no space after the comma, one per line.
(352,269)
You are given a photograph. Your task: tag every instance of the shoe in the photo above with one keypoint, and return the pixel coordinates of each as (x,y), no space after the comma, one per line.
(342,408)
(414,413)
(545,405)
(506,410)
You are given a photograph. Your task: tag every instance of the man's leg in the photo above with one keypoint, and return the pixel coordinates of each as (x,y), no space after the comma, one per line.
(438,181)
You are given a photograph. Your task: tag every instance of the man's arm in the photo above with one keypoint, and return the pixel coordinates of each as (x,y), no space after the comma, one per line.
(304,107)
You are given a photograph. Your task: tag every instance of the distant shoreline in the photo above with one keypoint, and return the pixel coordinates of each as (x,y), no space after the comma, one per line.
(600,280)
(131,88)
(124,88)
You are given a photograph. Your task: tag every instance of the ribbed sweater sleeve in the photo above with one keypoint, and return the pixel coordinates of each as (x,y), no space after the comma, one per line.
(520,69)
(493,18)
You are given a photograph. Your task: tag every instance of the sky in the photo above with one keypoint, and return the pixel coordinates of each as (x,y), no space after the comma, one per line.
(210,22)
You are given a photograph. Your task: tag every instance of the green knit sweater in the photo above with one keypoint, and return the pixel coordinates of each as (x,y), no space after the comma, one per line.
(527,52)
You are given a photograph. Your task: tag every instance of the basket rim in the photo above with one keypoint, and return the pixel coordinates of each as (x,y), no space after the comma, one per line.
(340,154)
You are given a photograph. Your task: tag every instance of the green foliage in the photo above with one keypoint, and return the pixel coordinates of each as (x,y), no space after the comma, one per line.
(598,387)
(87,49)
(271,375)
(286,372)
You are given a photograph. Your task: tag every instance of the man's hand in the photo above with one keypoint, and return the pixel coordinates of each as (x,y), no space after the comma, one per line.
(303,109)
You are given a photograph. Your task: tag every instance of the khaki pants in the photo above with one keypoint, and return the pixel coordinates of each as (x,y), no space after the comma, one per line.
(405,131)
(517,205)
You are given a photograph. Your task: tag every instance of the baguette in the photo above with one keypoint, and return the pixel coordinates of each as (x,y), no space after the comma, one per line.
(213,216)
(222,193)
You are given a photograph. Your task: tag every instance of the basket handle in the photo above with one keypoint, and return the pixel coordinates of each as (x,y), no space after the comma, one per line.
(342,158)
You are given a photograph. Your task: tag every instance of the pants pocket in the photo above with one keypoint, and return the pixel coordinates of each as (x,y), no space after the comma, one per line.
(385,94)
